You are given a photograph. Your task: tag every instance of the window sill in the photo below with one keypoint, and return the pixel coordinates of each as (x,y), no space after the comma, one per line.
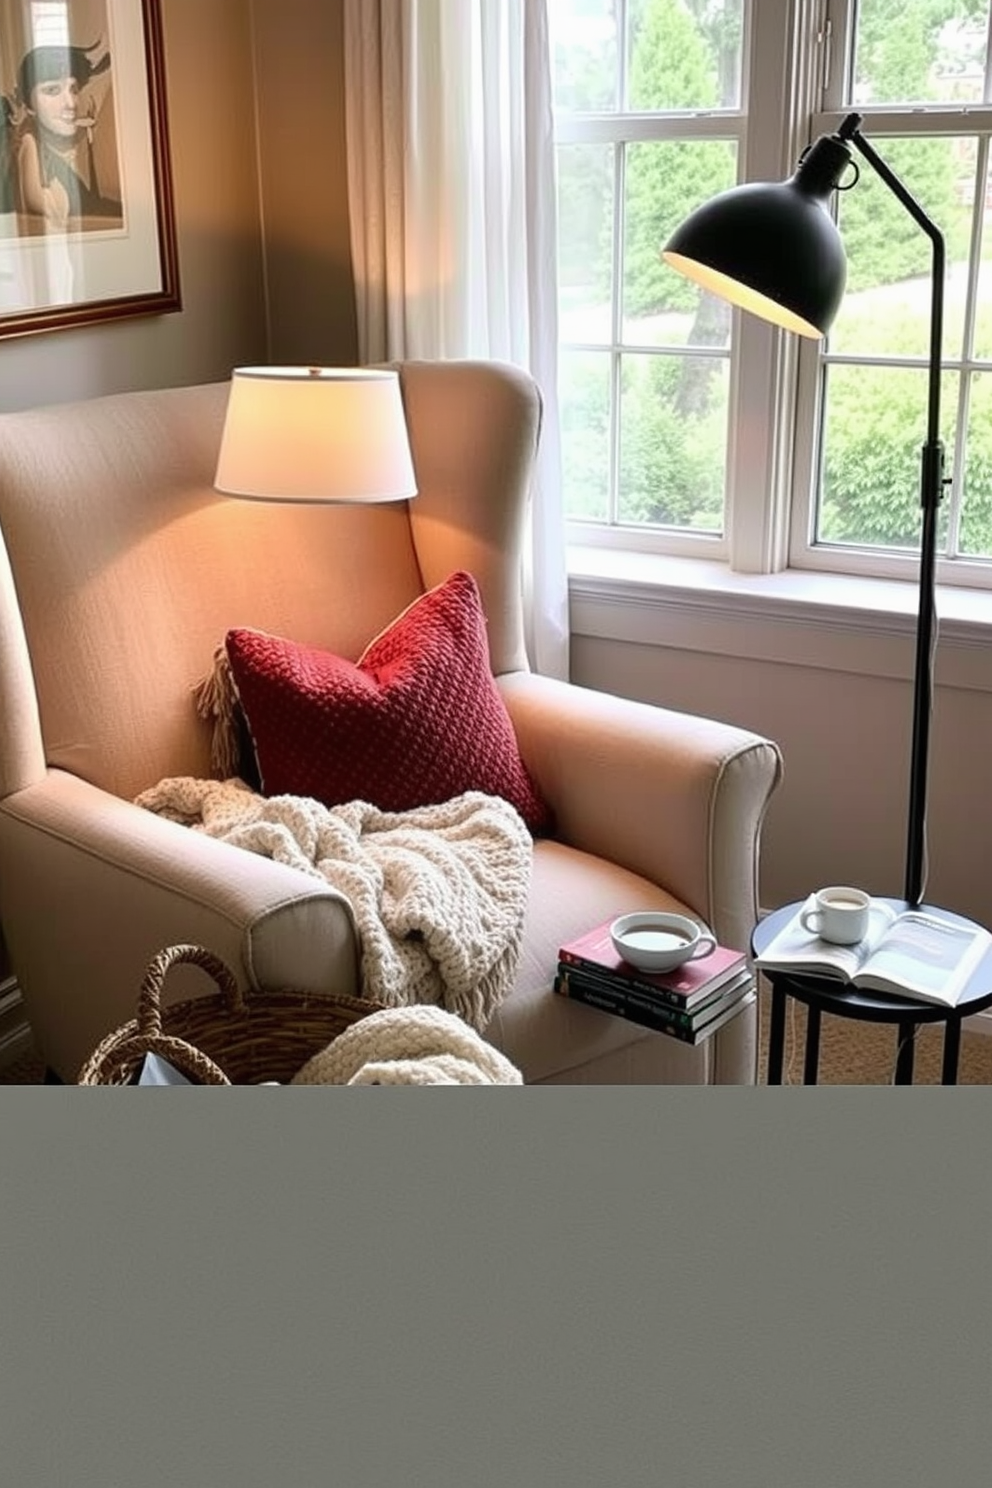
(861,625)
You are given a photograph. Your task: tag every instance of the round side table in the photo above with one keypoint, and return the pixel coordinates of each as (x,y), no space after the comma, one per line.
(826,995)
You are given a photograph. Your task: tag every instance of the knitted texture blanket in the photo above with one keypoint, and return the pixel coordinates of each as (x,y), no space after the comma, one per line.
(409,1046)
(437,895)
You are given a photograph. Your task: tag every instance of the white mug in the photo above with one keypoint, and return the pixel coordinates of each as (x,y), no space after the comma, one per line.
(656,941)
(838,914)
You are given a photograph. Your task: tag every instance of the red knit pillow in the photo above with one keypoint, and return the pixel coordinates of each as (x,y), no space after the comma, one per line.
(416,720)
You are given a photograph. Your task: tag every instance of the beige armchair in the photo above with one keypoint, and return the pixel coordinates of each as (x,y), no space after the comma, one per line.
(120,571)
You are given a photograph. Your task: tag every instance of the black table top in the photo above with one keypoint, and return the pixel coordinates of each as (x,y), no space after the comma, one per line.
(833,996)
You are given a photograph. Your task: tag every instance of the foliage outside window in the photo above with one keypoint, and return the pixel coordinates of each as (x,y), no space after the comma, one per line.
(664,394)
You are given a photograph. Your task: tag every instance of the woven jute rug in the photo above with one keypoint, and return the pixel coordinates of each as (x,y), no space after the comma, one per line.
(855,1053)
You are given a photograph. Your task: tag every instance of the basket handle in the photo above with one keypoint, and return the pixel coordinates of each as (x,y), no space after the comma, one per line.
(149,1018)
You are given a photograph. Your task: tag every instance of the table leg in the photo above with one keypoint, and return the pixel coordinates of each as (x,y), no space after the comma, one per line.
(776,1036)
(952,1046)
(812,1061)
(907,1048)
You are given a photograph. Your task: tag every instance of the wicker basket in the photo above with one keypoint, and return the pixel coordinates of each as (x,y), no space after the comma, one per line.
(224,1038)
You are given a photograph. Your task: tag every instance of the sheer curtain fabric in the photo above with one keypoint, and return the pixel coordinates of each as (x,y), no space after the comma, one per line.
(451,182)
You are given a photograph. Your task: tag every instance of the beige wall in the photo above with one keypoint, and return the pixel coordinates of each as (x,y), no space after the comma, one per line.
(840,815)
(300,91)
(241,158)
(261,211)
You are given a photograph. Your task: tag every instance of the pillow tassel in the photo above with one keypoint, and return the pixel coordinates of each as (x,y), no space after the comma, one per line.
(216,701)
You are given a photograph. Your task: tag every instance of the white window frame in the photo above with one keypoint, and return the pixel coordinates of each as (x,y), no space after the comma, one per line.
(878,124)
(792,91)
(768,135)
(49,23)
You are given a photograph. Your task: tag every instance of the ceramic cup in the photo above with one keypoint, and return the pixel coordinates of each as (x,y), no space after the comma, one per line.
(838,914)
(659,942)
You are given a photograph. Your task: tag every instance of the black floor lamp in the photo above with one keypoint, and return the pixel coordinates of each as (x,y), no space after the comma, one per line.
(774,249)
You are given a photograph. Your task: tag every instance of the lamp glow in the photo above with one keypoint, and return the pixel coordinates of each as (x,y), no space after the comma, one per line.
(315,434)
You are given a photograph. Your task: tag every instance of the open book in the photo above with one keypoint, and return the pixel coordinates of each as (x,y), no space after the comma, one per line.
(915,953)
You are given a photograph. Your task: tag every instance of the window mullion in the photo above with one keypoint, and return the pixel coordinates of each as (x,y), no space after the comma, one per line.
(836,22)
(967,347)
(761,438)
(616,326)
(623,51)
(954,494)
(782,60)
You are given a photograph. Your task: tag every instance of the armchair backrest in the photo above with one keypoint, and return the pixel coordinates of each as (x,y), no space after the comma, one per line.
(121,568)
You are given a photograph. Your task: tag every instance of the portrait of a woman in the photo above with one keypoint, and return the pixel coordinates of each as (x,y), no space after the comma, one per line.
(55,176)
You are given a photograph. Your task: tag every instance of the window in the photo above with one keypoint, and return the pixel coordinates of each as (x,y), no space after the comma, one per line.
(688,428)
(49,23)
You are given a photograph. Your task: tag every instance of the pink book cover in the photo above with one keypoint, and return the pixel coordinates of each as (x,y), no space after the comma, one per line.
(595,948)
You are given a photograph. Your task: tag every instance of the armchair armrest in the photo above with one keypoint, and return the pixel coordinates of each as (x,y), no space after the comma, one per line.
(92,887)
(676,798)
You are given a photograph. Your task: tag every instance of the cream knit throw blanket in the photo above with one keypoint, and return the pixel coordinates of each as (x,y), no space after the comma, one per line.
(409,1046)
(437,894)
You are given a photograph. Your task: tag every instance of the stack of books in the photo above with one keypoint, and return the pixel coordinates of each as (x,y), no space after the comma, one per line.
(690,1003)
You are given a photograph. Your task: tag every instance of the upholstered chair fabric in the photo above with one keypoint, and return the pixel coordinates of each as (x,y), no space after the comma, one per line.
(121,570)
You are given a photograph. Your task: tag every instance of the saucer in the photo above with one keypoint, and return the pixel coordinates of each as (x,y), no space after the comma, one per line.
(655,941)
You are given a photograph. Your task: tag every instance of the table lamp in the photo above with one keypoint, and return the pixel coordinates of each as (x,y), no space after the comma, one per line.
(775,250)
(315,434)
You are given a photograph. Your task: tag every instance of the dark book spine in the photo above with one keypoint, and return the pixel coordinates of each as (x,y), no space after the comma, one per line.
(631,996)
(632,983)
(625,1004)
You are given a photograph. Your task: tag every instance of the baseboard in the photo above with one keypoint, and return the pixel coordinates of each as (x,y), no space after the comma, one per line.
(15,1034)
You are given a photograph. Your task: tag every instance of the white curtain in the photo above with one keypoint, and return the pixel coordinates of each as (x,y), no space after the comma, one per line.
(451,182)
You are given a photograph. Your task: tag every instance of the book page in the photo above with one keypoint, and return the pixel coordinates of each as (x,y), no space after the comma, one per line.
(926,956)
(802,950)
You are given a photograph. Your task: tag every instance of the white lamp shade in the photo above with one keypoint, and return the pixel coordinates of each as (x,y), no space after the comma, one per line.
(315,434)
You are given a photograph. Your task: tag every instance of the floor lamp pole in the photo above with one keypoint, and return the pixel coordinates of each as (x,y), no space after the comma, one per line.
(932,483)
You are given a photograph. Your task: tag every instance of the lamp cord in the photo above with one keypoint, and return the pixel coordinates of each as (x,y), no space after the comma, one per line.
(793,1047)
(792,1041)
(899,1048)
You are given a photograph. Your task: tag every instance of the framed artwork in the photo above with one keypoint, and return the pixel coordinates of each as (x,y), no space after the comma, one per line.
(87,227)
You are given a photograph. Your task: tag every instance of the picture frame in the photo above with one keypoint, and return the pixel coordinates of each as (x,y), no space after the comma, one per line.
(87,220)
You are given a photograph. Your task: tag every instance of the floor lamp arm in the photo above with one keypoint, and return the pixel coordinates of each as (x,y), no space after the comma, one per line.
(932,483)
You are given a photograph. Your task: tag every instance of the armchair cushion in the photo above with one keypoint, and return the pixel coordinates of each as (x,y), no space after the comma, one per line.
(653,809)
(417,720)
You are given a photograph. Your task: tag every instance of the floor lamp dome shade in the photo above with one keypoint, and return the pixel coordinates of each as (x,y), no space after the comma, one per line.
(773,249)
(320,434)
